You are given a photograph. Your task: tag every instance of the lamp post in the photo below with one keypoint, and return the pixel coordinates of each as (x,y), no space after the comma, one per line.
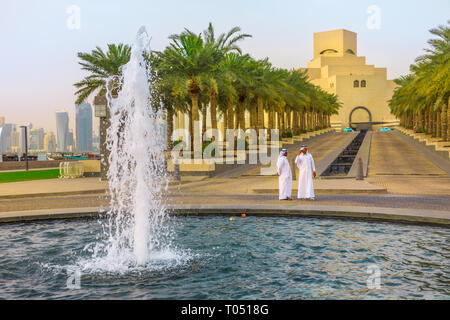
(102,112)
(26,146)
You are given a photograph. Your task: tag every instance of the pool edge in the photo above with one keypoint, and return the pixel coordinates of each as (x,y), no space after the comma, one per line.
(434,217)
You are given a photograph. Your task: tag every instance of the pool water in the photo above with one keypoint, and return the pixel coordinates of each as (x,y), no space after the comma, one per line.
(246,258)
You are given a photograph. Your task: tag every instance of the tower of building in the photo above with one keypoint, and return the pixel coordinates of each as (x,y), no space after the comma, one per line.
(83,127)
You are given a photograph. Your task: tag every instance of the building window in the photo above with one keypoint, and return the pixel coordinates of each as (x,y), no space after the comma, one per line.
(356,84)
(363,83)
(326,51)
(331,84)
(350,51)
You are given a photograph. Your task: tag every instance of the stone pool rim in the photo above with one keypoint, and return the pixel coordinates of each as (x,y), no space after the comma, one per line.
(377,214)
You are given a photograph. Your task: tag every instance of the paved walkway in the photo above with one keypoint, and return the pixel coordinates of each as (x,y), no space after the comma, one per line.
(402,169)
(391,155)
(40,188)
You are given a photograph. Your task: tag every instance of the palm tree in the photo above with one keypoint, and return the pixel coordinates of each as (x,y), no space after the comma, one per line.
(421,99)
(100,66)
(219,77)
(188,63)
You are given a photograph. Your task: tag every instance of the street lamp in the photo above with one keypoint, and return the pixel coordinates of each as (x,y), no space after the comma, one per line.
(26,146)
(101,111)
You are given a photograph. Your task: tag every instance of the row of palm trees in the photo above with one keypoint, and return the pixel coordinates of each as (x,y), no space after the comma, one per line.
(199,70)
(421,101)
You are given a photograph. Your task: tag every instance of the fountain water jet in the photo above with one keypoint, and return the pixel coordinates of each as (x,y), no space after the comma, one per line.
(137,174)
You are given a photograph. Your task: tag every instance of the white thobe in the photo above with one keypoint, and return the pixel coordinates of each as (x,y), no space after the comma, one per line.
(305,164)
(285,178)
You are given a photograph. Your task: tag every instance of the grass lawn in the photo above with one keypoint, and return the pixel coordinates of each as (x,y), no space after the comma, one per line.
(28,175)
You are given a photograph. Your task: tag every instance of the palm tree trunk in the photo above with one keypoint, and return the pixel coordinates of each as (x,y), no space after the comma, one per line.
(236,118)
(242,116)
(448,119)
(438,123)
(444,122)
(421,121)
(169,132)
(213,111)
(278,122)
(253,116)
(195,114)
(288,118)
(191,130)
(430,120)
(195,117)
(433,123)
(230,115)
(271,123)
(260,115)
(225,123)
(295,122)
(204,115)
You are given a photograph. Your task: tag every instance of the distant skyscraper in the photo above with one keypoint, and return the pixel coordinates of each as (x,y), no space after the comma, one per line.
(15,139)
(5,138)
(36,139)
(83,119)
(2,133)
(62,130)
(70,141)
(22,138)
(50,142)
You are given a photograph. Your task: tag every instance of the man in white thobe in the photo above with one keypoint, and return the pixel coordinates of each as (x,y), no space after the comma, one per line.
(284,176)
(306,172)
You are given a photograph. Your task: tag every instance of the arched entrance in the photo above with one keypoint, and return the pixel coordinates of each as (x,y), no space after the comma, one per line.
(363,121)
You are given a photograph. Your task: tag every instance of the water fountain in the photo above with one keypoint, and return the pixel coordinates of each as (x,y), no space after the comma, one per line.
(137,173)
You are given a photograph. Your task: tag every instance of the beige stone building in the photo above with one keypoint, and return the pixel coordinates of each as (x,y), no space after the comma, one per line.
(363,89)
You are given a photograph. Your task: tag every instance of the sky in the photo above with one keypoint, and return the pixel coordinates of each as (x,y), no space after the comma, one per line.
(40,39)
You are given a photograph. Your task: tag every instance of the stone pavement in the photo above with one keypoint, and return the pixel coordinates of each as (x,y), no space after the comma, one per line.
(42,188)
(326,186)
(390,155)
(402,169)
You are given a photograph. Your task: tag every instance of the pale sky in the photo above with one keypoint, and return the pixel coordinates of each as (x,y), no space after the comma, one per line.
(38,50)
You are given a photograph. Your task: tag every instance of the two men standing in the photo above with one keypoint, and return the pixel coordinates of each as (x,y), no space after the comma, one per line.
(307,170)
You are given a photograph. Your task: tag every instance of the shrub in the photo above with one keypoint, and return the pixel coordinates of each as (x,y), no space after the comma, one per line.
(289,134)
(176,142)
(207,143)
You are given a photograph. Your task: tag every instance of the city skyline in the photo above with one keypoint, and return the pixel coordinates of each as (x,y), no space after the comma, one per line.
(50,48)
(12,136)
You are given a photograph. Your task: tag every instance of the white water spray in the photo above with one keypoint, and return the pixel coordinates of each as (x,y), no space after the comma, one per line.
(137,174)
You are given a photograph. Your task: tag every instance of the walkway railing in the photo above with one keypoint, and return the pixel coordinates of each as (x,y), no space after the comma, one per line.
(71,169)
